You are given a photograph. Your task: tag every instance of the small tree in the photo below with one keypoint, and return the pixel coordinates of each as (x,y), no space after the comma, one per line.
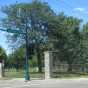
(3,55)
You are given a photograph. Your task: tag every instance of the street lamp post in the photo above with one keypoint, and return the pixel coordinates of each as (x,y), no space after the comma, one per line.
(27,76)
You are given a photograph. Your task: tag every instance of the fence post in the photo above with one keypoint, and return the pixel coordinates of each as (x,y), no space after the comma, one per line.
(48,64)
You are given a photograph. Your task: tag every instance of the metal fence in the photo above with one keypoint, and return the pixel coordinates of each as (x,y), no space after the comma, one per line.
(60,70)
(13,72)
(74,68)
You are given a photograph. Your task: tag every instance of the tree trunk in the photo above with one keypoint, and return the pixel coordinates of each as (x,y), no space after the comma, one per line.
(39,60)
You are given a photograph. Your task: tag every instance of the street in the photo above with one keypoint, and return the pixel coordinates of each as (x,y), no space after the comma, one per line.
(50,83)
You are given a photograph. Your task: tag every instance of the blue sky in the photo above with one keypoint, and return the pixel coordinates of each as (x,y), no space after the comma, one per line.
(76,8)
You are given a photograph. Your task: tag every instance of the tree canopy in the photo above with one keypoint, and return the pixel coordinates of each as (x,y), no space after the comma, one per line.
(47,31)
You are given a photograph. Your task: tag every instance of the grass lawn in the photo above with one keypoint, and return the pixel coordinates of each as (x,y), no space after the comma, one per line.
(12,73)
(21,74)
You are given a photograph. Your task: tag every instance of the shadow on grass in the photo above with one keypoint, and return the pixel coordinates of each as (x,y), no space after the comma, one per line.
(69,74)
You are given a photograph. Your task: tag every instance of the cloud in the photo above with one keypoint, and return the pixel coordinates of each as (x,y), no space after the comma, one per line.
(80,9)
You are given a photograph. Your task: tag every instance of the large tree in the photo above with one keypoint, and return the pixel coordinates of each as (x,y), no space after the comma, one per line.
(67,34)
(46,30)
(84,43)
(36,16)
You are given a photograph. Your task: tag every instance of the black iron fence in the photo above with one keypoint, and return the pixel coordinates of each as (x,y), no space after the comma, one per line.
(19,72)
(77,70)
(60,70)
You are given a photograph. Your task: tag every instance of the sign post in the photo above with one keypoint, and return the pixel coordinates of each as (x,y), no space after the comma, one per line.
(27,75)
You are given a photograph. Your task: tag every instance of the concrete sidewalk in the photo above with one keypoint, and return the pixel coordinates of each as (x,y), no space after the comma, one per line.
(50,83)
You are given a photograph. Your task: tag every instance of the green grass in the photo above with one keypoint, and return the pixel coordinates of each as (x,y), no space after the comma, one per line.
(12,73)
(21,74)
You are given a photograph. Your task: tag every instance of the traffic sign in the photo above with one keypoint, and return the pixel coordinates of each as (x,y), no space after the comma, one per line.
(12,31)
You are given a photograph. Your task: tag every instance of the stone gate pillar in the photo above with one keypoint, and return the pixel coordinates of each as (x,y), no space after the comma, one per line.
(48,64)
(1,69)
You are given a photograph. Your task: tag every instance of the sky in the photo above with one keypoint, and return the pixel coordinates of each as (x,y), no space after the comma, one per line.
(76,8)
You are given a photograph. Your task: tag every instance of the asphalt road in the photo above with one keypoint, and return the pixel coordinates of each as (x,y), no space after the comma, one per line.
(51,83)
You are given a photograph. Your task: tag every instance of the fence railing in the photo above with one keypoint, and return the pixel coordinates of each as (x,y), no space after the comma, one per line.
(73,68)
(59,70)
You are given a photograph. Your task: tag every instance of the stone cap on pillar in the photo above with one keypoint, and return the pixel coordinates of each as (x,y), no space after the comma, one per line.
(52,51)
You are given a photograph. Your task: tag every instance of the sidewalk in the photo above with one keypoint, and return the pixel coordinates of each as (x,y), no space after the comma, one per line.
(50,83)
